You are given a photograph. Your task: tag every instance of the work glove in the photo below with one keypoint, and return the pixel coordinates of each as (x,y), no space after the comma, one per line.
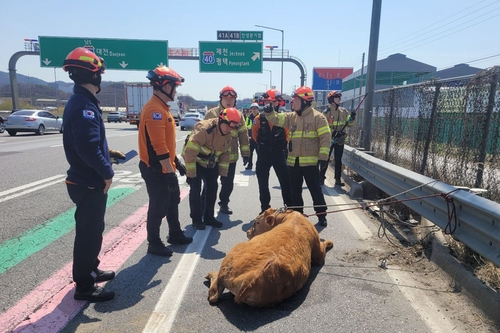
(246,159)
(351,117)
(173,182)
(323,165)
(179,166)
(116,155)
(189,181)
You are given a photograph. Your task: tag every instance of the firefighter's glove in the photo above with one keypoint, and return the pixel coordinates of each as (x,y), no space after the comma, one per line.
(246,159)
(189,181)
(116,155)
(268,108)
(172,181)
(323,165)
(351,117)
(180,167)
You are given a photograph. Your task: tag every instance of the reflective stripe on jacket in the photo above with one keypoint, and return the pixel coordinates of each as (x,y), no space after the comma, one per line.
(336,120)
(309,135)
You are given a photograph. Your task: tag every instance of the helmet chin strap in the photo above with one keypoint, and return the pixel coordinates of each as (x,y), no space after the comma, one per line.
(303,105)
(170,96)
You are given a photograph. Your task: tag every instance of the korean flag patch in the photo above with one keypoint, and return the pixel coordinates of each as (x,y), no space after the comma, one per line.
(157,116)
(88,114)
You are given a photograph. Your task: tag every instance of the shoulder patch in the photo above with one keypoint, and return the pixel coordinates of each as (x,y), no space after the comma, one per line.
(157,116)
(88,114)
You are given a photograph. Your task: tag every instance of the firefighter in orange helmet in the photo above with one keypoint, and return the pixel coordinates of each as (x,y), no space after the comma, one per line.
(308,147)
(157,152)
(90,174)
(227,99)
(207,156)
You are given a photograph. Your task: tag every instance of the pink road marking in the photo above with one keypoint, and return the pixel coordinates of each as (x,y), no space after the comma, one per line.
(54,297)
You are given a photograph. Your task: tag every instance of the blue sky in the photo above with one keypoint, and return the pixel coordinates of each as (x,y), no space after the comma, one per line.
(328,33)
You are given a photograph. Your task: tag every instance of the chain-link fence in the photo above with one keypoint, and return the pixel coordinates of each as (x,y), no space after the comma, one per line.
(445,129)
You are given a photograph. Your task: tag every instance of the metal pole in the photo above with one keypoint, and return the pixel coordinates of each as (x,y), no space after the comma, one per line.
(371,73)
(282,55)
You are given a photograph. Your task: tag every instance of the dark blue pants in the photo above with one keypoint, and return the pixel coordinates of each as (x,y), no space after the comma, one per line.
(311,175)
(227,184)
(266,160)
(89,226)
(162,203)
(338,151)
(203,206)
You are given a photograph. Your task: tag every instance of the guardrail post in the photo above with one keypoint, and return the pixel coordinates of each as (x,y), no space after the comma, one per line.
(486,131)
(432,121)
(389,125)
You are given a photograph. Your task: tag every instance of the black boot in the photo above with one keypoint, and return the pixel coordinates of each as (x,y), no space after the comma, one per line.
(179,239)
(224,208)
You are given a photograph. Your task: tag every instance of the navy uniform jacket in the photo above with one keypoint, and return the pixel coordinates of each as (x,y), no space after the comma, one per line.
(84,140)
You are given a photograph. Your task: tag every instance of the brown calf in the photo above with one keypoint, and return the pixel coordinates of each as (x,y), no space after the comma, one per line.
(273,264)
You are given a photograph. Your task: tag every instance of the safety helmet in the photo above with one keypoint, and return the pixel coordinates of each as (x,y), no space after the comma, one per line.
(230,116)
(162,75)
(228,91)
(304,93)
(84,58)
(272,95)
(254,104)
(332,94)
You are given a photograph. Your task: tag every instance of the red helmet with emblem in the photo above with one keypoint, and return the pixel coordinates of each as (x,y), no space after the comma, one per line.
(304,93)
(85,59)
(230,115)
(228,91)
(162,75)
(272,95)
(332,94)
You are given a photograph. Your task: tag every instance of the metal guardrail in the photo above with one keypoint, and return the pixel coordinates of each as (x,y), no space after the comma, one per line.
(478,219)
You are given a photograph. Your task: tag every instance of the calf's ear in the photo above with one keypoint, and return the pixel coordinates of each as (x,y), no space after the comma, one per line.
(270,220)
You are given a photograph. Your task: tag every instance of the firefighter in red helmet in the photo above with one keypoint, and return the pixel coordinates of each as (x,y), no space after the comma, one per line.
(90,174)
(157,152)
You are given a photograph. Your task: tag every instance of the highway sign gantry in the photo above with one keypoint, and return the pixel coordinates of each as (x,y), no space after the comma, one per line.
(128,54)
(230,57)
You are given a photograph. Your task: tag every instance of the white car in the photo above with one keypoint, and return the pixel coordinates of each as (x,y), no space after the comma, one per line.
(190,119)
(38,121)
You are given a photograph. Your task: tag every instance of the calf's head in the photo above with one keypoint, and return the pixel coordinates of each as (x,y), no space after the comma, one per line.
(267,220)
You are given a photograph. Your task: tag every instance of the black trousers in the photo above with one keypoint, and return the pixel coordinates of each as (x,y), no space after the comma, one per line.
(253,146)
(311,175)
(163,202)
(227,184)
(266,160)
(198,208)
(89,226)
(338,151)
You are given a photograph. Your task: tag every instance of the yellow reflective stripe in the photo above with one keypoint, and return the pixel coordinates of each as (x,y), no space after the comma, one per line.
(303,160)
(193,146)
(191,166)
(323,130)
(242,129)
(302,134)
(337,123)
(224,165)
(324,150)
(233,157)
(234,133)
(245,148)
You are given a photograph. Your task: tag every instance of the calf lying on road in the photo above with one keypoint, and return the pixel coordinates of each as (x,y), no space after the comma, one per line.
(274,264)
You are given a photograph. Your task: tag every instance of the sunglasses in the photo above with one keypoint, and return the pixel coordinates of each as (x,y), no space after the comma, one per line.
(229,93)
(234,125)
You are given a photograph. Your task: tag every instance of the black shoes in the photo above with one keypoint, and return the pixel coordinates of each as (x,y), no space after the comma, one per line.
(249,167)
(322,220)
(94,294)
(101,276)
(159,249)
(199,225)
(224,208)
(213,222)
(179,239)
(339,182)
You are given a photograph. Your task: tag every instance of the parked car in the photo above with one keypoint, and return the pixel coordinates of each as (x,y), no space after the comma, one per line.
(117,117)
(38,121)
(2,125)
(190,119)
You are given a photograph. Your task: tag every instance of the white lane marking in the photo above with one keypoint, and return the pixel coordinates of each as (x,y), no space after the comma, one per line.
(356,223)
(127,134)
(22,187)
(423,305)
(33,189)
(55,146)
(163,317)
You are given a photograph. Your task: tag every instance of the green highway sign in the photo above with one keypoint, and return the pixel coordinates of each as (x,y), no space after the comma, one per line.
(128,54)
(230,57)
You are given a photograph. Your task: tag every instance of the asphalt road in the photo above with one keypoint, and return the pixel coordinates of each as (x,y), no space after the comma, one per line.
(349,293)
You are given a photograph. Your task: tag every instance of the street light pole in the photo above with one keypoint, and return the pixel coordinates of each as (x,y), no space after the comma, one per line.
(282,49)
(270,78)
(263,84)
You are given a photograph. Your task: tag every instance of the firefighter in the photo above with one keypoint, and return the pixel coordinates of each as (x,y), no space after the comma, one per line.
(338,119)
(308,147)
(271,142)
(249,120)
(158,163)
(227,99)
(207,155)
(90,174)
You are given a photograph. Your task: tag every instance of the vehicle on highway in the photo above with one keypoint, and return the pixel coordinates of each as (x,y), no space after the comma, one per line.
(190,119)
(38,121)
(2,125)
(117,117)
